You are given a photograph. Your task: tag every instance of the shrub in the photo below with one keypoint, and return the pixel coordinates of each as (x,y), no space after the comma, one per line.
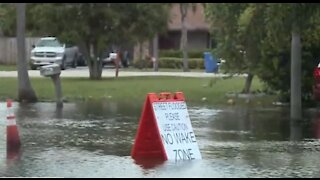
(140,64)
(170,62)
(178,53)
(176,63)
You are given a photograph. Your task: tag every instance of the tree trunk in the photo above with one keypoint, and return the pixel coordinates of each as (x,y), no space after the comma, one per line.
(95,64)
(155,53)
(117,63)
(25,90)
(141,61)
(140,50)
(1,32)
(295,99)
(184,36)
(247,84)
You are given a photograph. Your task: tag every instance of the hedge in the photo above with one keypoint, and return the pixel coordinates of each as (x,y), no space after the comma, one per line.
(171,63)
(178,53)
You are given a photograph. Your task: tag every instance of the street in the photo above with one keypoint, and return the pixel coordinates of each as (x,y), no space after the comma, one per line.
(84,72)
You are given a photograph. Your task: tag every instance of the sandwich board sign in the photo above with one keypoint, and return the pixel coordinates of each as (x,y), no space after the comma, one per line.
(165,131)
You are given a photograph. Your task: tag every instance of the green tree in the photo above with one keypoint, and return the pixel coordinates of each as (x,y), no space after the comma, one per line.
(295,18)
(8,19)
(144,21)
(97,25)
(275,71)
(238,29)
(83,24)
(251,34)
(260,30)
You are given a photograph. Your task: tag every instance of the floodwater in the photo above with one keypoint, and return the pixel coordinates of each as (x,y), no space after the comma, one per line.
(94,139)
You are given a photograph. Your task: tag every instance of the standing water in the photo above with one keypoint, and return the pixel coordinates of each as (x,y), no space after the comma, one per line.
(94,139)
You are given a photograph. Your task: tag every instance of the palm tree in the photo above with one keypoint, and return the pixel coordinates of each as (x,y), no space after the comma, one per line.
(184,32)
(25,90)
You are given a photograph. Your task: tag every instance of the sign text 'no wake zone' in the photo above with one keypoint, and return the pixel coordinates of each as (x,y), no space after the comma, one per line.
(176,130)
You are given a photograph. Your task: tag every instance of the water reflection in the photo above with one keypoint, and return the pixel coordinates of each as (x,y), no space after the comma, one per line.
(13,154)
(249,124)
(296,131)
(316,125)
(58,113)
(149,163)
(94,139)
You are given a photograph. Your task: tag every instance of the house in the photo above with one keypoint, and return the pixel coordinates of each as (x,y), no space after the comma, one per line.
(198,29)
(198,32)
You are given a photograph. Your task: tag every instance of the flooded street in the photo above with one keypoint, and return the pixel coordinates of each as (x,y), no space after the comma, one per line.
(94,139)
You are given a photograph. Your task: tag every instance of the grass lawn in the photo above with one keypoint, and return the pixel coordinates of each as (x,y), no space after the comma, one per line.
(134,89)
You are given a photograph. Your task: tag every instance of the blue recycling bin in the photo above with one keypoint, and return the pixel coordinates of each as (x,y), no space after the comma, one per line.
(210,63)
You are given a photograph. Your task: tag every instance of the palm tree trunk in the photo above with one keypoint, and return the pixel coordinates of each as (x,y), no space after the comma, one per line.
(155,53)
(295,99)
(140,50)
(25,90)
(141,60)
(184,36)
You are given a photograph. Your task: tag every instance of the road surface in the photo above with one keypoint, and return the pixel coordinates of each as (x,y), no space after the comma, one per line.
(84,72)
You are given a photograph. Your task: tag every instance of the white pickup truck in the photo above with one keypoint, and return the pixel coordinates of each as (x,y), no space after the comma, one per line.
(49,50)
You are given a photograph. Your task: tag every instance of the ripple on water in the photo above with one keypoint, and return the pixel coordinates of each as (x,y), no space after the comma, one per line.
(98,145)
(204,113)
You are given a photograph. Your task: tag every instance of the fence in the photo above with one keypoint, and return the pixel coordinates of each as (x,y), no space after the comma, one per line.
(8,49)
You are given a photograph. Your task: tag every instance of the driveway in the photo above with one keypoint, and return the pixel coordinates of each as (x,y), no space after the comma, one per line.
(84,72)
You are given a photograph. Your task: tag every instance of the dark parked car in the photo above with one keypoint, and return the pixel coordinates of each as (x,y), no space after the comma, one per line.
(81,60)
(316,85)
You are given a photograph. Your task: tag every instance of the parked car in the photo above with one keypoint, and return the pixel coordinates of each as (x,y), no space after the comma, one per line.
(108,59)
(49,50)
(81,60)
(316,85)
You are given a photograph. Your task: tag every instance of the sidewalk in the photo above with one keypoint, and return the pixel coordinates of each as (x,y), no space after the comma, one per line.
(111,73)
